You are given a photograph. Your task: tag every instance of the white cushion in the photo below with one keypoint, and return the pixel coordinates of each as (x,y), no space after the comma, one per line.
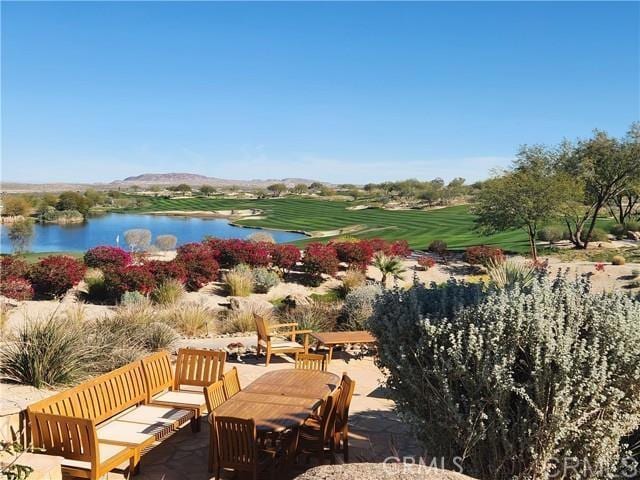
(285,344)
(182,397)
(131,433)
(152,414)
(106,452)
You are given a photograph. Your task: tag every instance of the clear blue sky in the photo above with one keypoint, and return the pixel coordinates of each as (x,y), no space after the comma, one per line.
(342,92)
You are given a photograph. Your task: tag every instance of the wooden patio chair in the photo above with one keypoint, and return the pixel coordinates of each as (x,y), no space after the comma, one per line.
(231,382)
(215,396)
(273,340)
(341,430)
(198,368)
(311,361)
(76,440)
(315,438)
(236,447)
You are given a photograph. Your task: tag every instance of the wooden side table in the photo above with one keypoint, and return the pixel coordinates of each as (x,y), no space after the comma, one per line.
(332,339)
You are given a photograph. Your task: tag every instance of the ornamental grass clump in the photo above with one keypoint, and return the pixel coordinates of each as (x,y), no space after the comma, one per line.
(512,382)
(168,292)
(239,281)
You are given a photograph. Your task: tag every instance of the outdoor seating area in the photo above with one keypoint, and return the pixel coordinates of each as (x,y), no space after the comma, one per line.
(296,414)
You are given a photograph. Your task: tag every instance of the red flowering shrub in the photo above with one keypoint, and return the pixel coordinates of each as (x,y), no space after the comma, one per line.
(104,257)
(599,267)
(285,256)
(171,270)
(483,255)
(53,276)
(319,258)
(137,278)
(11,266)
(399,248)
(357,254)
(426,262)
(16,287)
(379,245)
(199,262)
(234,251)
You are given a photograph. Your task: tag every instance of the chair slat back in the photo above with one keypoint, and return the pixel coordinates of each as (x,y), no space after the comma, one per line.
(69,437)
(198,367)
(261,328)
(158,375)
(100,398)
(347,387)
(328,415)
(214,395)
(311,361)
(231,382)
(236,445)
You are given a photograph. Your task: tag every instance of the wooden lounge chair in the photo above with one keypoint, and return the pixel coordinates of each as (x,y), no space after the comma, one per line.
(341,430)
(231,382)
(236,447)
(272,339)
(195,369)
(75,439)
(316,434)
(311,361)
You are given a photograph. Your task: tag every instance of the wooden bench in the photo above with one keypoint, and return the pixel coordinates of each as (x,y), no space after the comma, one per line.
(195,369)
(120,412)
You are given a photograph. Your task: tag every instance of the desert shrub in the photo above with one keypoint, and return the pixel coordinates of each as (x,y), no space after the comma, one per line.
(399,248)
(550,234)
(239,281)
(508,380)
(159,336)
(358,307)
(285,256)
(137,278)
(168,292)
(264,279)
(171,270)
(190,319)
(45,352)
(261,237)
(54,275)
(138,239)
(132,298)
(234,251)
(315,316)
(426,262)
(483,255)
(320,259)
(199,261)
(438,247)
(353,278)
(509,272)
(618,230)
(166,242)
(16,287)
(388,266)
(104,257)
(597,235)
(12,266)
(118,339)
(243,320)
(379,245)
(632,226)
(356,254)
(618,260)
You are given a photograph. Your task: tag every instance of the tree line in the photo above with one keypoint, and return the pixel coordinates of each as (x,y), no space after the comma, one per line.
(574,182)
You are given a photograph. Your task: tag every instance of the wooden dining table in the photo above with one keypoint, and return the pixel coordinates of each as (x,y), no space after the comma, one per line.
(280,400)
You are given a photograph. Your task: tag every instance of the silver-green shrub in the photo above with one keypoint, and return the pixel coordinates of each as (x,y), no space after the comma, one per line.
(512,382)
(264,279)
(358,307)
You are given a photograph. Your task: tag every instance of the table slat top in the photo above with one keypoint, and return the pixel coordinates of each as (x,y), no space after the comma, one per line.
(335,338)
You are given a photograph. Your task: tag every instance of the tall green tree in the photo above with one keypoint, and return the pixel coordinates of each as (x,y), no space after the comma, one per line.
(277,189)
(601,168)
(527,196)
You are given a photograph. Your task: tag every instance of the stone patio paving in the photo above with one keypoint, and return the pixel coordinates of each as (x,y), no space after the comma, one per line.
(375,431)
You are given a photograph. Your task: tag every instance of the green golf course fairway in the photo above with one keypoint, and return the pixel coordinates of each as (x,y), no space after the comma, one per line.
(455,225)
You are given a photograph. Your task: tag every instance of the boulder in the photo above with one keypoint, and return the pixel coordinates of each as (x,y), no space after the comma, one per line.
(379,471)
(294,300)
(256,304)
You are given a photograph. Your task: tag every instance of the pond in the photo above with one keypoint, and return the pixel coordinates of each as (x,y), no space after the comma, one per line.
(105,230)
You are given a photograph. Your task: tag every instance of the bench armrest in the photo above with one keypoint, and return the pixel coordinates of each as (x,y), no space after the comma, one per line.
(281,325)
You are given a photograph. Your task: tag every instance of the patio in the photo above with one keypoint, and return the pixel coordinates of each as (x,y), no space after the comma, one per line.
(375,431)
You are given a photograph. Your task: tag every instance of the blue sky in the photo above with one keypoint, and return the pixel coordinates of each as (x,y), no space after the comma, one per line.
(342,92)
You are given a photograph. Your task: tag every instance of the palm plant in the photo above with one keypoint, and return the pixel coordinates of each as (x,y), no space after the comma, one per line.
(510,272)
(388,266)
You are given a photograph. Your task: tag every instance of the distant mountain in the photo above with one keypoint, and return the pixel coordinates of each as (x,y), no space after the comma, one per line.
(195,179)
(148,179)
